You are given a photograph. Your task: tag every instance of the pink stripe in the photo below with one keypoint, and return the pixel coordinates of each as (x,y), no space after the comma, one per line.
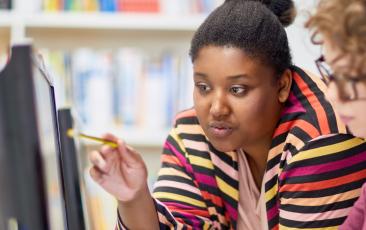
(295,107)
(181,158)
(315,216)
(201,146)
(165,183)
(272,213)
(223,166)
(196,223)
(331,166)
(205,179)
(182,206)
(232,212)
(197,145)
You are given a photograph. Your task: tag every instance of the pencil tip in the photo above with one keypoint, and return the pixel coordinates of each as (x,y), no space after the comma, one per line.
(70,133)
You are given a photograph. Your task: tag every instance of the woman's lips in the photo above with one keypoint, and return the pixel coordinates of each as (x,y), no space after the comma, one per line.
(220,129)
(346,119)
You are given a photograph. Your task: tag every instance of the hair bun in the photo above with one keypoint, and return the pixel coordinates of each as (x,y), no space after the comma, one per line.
(284,9)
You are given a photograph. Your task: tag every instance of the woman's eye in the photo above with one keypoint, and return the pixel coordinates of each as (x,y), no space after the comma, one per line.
(238,90)
(202,87)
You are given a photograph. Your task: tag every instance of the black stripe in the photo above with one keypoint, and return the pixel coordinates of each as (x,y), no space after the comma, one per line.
(301,134)
(304,102)
(193,137)
(320,208)
(324,192)
(229,180)
(273,162)
(201,170)
(327,141)
(182,192)
(279,139)
(271,203)
(320,160)
(223,157)
(186,221)
(313,223)
(198,153)
(167,200)
(172,141)
(290,147)
(212,190)
(191,120)
(290,116)
(176,179)
(332,121)
(174,166)
(229,200)
(272,182)
(273,222)
(324,176)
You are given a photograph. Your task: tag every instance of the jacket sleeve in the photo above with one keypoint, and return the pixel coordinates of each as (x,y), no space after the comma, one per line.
(178,199)
(357,217)
(319,184)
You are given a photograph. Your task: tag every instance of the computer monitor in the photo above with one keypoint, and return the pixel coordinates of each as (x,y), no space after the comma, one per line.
(31,195)
(71,172)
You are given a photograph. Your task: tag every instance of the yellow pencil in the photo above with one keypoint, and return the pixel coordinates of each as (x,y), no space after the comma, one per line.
(71,133)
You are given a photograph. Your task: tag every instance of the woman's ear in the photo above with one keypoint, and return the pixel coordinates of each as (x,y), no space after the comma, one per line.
(284,86)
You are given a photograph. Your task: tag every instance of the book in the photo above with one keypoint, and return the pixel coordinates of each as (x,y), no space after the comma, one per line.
(5,4)
(146,6)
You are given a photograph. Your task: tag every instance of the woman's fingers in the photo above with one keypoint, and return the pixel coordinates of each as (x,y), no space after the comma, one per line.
(98,161)
(96,174)
(107,150)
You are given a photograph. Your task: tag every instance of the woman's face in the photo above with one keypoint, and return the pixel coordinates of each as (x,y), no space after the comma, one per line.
(236,98)
(352,112)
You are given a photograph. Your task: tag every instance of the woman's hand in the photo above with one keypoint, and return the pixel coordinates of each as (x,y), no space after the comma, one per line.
(120,171)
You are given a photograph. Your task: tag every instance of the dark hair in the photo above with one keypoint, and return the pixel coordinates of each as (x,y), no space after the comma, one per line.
(256,27)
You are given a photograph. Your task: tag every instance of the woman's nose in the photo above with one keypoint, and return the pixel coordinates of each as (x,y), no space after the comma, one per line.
(219,107)
(332,92)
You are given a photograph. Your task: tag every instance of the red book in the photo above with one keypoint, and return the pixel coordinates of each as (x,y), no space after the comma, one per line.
(143,6)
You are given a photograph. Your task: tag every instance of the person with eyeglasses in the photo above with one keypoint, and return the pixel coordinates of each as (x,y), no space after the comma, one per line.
(340,27)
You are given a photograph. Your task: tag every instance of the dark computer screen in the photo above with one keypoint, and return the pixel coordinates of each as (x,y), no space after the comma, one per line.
(50,145)
(71,173)
(32,193)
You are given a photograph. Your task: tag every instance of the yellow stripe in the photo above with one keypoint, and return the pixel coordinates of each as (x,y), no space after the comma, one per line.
(271,193)
(327,150)
(190,128)
(201,162)
(178,197)
(325,228)
(227,189)
(174,134)
(173,172)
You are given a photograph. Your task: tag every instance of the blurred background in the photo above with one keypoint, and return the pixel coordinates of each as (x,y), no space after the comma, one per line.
(123,67)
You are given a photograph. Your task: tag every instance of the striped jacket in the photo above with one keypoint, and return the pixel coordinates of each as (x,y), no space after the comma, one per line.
(314,170)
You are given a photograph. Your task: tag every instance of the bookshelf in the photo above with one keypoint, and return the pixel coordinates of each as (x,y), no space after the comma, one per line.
(152,33)
(67,33)
(5,29)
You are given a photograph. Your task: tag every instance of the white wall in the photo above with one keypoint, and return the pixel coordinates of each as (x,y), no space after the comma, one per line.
(303,51)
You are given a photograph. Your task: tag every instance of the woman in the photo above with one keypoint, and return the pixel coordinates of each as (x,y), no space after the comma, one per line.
(340,26)
(258,149)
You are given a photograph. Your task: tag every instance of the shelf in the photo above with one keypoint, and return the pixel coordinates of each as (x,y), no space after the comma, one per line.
(6,19)
(153,138)
(107,21)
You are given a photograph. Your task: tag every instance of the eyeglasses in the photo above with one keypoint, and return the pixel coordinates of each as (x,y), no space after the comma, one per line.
(347,86)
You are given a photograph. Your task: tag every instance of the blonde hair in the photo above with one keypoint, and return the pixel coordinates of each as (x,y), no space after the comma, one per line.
(343,22)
